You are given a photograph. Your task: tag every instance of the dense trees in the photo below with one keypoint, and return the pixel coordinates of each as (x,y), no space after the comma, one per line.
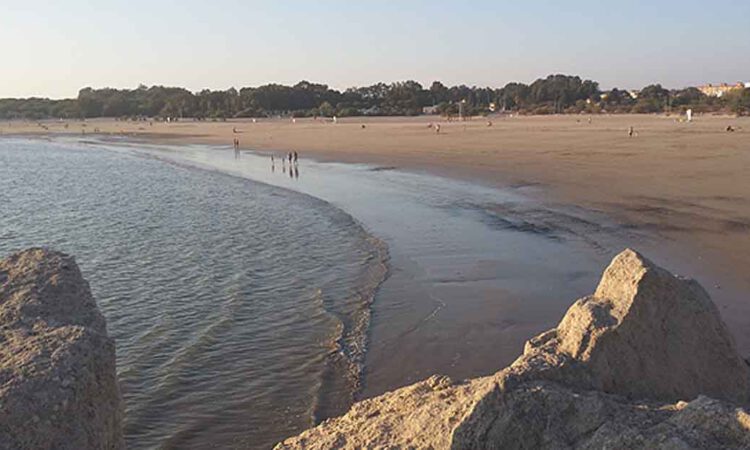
(739,102)
(37,108)
(550,95)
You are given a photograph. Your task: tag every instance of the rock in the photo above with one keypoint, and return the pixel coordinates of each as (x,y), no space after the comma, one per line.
(644,363)
(419,416)
(58,387)
(549,415)
(646,333)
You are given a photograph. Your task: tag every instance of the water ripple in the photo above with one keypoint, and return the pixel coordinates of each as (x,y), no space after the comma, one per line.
(239,310)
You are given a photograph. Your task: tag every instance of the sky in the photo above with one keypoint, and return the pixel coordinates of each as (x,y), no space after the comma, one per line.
(54,48)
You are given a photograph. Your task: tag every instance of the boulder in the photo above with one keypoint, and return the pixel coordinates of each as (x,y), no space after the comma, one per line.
(644,363)
(646,333)
(550,415)
(58,386)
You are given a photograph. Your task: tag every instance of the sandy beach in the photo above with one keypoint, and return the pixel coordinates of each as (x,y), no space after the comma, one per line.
(684,182)
(473,271)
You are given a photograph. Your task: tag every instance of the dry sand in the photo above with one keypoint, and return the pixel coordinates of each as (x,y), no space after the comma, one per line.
(685,182)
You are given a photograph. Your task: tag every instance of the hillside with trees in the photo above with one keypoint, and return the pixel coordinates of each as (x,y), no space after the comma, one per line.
(555,94)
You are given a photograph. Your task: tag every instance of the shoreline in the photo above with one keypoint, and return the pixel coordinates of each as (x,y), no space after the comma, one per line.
(534,221)
(683,183)
(339,307)
(428,288)
(599,231)
(670,177)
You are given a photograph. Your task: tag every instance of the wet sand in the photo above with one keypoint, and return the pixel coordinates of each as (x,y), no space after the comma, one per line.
(686,185)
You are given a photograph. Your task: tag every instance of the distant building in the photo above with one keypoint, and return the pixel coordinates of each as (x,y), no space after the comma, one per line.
(718,90)
(429,109)
(634,94)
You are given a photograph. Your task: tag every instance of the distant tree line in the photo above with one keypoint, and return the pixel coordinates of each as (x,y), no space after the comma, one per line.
(552,95)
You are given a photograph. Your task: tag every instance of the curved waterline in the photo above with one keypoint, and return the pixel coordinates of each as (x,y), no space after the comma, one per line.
(240,310)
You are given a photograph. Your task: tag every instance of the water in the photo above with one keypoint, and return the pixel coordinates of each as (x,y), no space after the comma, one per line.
(474,271)
(239,310)
(241,295)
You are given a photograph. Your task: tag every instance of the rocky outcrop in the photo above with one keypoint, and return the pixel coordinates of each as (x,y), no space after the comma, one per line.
(58,387)
(645,362)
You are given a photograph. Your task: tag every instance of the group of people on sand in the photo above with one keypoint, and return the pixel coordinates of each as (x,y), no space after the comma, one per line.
(292,157)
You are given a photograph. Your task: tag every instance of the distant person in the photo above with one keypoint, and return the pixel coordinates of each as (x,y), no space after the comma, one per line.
(437,128)
(631,131)
(290,159)
(295,157)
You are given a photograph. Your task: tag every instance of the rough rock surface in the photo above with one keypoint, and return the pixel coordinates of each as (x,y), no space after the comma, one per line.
(58,387)
(644,363)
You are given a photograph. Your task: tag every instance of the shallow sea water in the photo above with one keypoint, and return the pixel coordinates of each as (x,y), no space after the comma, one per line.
(246,298)
(238,309)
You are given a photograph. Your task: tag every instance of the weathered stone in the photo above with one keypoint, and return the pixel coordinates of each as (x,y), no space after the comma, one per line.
(646,333)
(58,387)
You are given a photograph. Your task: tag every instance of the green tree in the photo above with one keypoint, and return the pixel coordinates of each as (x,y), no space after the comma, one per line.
(326,109)
(740,102)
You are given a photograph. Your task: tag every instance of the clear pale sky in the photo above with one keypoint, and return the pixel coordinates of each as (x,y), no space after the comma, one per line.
(54,48)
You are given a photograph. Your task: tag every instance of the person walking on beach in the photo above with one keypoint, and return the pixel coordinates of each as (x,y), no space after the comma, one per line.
(437,128)
(295,157)
(631,132)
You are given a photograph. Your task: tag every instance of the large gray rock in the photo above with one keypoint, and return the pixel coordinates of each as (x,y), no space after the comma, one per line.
(549,415)
(644,363)
(58,386)
(646,333)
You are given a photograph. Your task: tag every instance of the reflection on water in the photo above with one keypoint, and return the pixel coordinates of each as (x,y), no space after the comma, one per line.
(474,272)
(293,169)
(239,310)
(464,289)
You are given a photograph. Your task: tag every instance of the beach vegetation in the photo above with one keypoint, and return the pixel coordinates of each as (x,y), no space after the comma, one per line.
(554,94)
